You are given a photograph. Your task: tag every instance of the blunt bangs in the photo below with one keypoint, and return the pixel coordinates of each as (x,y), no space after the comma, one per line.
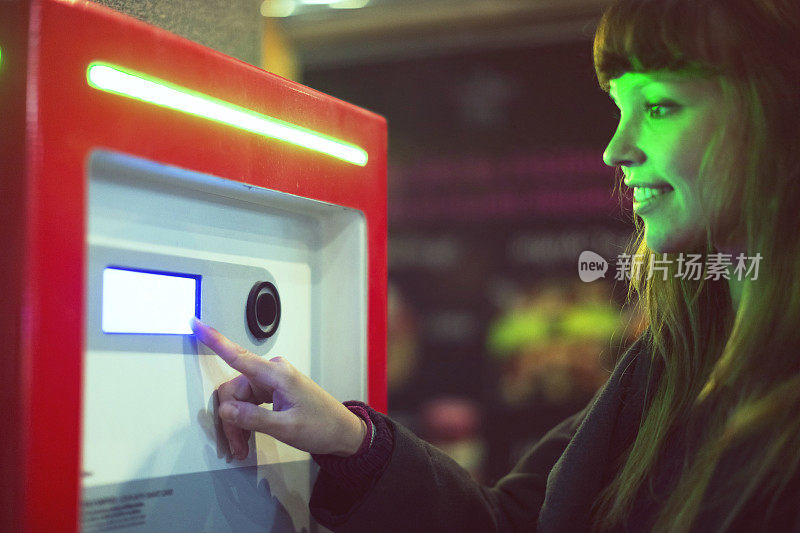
(652,35)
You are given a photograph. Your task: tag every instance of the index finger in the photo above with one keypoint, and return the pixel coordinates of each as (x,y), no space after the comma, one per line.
(236,356)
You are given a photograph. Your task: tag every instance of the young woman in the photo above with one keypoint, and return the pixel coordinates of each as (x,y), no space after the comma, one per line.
(698,427)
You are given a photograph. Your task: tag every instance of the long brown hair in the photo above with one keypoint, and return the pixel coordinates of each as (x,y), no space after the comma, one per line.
(740,367)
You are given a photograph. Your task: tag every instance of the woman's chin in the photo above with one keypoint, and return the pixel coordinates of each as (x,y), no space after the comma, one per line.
(673,242)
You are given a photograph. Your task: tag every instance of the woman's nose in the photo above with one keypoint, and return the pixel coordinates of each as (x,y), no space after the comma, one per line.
(623,148)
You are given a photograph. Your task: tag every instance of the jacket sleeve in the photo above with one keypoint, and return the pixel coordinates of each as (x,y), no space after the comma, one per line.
(423,489)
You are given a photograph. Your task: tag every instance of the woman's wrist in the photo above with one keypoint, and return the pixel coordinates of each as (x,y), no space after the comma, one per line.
(344,481)
(354,436)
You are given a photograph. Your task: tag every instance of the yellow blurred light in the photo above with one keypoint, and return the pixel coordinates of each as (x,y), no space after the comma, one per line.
(277,8)
(349,4)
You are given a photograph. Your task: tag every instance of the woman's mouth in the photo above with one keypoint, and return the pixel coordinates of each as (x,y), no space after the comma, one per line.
(647,198)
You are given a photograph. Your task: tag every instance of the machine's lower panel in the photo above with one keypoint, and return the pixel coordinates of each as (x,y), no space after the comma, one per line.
(235,500)
(153,457)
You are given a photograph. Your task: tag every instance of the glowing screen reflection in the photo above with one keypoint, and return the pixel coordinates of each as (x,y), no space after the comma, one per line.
(149,302)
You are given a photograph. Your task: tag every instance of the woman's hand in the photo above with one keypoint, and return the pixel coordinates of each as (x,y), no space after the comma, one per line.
(303,415)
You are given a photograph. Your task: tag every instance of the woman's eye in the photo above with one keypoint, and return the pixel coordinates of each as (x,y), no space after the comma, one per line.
(659,110)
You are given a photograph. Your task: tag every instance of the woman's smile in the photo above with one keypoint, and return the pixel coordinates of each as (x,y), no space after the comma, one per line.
(645,199)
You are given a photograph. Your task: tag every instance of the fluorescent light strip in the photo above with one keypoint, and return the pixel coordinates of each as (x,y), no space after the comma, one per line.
(114,79)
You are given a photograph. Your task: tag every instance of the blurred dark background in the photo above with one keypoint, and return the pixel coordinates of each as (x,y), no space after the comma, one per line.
(496,185)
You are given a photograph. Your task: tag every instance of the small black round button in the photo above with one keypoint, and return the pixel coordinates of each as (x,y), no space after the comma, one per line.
(266,309)
(263,310)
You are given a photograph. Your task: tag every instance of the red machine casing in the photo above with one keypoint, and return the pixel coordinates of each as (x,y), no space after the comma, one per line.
(51,120)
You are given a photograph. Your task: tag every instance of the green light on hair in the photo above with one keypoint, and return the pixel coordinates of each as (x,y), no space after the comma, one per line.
(117,80)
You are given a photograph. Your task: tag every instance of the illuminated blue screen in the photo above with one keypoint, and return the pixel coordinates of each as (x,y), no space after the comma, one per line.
(136,301)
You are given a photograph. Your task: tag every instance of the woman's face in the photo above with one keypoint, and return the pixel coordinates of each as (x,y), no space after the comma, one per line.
(667,122)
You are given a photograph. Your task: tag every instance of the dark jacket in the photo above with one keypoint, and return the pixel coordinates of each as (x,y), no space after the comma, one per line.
(551,489)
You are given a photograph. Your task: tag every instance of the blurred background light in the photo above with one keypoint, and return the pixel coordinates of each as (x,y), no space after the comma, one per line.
(277,8)
(349,4)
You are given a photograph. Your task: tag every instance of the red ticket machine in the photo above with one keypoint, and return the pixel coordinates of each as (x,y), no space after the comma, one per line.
(146,179)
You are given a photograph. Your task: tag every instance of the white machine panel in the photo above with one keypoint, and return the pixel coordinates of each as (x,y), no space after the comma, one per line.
(151,450)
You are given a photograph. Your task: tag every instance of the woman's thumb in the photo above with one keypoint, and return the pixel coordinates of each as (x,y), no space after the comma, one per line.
(247,416)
